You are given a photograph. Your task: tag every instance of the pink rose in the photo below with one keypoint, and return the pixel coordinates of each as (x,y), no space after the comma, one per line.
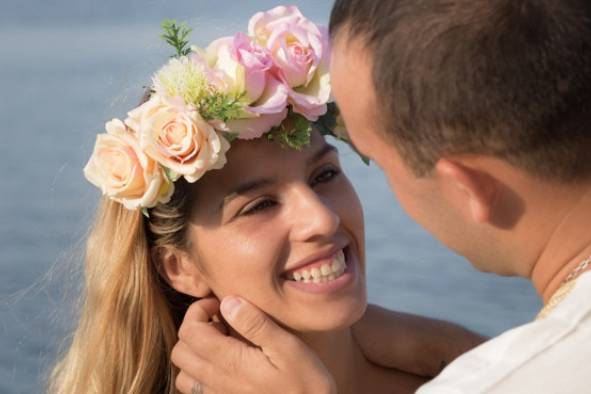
(178,138)
(250,73)
(301,51)
(123,172)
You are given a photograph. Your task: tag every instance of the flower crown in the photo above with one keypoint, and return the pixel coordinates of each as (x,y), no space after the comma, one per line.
(273,81)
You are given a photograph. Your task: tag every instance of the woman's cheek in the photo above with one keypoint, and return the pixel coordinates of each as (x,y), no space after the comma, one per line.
(244,264)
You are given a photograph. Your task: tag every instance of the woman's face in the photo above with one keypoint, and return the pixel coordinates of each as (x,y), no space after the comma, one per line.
(284,230)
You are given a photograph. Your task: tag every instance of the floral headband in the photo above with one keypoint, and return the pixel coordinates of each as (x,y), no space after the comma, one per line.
(273,82)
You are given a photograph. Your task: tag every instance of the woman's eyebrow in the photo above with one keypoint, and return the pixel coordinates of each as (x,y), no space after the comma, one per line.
(326,149)
(246,187)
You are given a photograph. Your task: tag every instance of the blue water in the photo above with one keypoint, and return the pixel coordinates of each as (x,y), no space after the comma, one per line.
(64,70)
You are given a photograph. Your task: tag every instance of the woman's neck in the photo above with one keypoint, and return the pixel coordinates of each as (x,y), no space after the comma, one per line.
(341,355)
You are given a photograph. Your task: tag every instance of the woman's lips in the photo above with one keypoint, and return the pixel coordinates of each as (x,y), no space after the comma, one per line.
(320,271)
(318,283)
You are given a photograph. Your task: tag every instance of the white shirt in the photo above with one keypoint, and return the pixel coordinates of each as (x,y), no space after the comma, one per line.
(547,356)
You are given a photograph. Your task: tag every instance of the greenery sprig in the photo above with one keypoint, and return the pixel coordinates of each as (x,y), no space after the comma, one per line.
(176,35)
(223,106)
(327,123)
(295,132)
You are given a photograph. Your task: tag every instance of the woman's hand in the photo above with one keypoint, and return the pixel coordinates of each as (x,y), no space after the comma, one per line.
(411,343)
(275,362)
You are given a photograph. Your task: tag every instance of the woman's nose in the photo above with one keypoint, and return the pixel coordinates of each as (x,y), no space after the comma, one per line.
(312,217)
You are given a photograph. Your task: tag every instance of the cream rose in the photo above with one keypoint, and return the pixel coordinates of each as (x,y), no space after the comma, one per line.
(124,172)
(178,138)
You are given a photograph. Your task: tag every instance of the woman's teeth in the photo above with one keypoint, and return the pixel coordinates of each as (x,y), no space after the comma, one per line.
(325,273)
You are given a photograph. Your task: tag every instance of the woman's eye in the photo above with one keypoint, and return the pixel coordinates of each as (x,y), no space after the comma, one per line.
(258,207)
(326,176)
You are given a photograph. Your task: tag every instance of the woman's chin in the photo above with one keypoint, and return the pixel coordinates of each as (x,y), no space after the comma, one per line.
(330,318)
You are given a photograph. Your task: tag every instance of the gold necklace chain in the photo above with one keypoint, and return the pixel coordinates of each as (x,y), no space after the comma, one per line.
(578,270)
(565,288)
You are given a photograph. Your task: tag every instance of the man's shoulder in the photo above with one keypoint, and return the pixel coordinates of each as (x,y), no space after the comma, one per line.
(545,356)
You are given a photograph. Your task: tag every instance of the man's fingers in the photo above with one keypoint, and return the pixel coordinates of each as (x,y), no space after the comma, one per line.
(195,369)
(224,364)
(206,339)
(187,385)
(199,312)
(203,310)
(184,383)
(221,327)
(252,323)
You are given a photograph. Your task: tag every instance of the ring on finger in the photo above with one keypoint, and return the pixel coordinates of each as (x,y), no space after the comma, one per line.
(197,388)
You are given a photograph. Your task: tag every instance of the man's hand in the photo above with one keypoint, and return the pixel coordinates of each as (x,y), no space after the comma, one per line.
(411,343)
(277,363)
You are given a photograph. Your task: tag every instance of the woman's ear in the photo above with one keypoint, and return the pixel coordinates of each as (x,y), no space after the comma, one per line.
(180,271)
(477,188)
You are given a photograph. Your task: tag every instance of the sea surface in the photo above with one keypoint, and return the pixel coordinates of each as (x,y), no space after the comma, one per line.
(66,67)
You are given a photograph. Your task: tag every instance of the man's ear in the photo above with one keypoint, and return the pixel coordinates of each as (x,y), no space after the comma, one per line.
(477,188)
(180,271)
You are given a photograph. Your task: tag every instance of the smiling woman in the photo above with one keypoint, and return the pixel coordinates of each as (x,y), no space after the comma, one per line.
(280,227)
(221,183)
(291,228)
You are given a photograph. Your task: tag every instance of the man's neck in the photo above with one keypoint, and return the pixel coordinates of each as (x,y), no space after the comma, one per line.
(568,245)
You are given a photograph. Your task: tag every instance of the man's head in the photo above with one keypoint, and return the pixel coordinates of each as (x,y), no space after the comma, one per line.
(508,78)
(459,83)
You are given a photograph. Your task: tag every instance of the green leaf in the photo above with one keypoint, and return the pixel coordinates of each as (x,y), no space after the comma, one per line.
(231,137)
(176,35)
(295,132)
(222,106)
(326,125)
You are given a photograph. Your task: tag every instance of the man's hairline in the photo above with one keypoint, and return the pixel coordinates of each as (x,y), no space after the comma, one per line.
(361,42)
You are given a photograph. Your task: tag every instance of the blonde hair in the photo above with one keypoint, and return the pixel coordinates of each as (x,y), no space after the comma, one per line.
(129,316)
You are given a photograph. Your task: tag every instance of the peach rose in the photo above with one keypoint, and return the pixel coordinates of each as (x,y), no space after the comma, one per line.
(123,171)
(178,138)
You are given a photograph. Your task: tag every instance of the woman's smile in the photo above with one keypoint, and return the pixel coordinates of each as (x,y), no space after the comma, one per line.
(326,274)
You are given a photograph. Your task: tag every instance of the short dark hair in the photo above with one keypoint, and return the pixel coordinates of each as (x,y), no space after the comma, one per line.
(507,78)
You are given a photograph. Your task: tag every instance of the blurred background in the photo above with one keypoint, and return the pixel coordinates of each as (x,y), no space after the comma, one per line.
(66,67)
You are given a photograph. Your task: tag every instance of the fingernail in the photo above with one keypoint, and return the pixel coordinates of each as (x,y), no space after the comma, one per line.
(230,306)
